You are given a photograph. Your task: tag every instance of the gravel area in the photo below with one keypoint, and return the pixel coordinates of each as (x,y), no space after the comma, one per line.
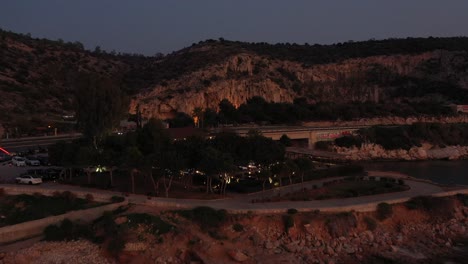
(73,252)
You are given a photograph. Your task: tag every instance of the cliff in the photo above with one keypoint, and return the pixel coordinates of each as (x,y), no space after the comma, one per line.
(242,76)
(38,76)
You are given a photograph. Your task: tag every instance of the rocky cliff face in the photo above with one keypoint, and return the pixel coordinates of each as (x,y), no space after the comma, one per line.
(242,76)
(37,76)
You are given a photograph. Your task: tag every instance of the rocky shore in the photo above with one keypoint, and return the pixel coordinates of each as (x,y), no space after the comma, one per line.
(408,236)
(425,152)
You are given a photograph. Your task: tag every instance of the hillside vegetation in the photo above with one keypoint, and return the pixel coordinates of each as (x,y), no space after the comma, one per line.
(38,76)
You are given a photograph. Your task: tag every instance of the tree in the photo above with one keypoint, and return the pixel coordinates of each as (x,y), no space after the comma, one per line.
(285,140)
(227,111)
(172,163)
(215,163)
(180,120)
(198,116)
(99,106)
(303,166)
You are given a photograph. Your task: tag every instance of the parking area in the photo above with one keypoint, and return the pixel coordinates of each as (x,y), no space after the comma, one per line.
(8,172)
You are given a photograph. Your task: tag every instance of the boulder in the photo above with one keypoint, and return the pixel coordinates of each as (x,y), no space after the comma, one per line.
(238,255)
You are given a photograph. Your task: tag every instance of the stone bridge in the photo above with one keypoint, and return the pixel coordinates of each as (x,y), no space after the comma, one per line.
(311,134)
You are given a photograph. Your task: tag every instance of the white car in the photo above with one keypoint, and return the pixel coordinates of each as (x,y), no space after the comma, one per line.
(18,161)
(28,179)
(32,161)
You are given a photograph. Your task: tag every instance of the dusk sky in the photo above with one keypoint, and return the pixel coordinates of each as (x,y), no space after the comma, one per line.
(150,26)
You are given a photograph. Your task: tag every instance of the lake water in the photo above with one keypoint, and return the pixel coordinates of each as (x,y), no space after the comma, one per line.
(444,172)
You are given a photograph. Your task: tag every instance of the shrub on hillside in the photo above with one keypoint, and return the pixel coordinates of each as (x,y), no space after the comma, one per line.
(238,227)
(348,141)
(370,223)
(67,230)
(155,224)
(341,224)
(288,222)
(384,211)
(89,197)
(437,206)
(117,199)
(206,217)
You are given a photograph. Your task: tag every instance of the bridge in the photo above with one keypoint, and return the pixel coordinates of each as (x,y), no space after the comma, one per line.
(311,134)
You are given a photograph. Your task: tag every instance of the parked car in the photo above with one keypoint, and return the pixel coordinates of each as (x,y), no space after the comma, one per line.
(32,161)
(18,161)
(4,157)
(44,160)
(28,179)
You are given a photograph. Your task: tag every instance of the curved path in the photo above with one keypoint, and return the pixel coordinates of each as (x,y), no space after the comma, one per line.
(243,204)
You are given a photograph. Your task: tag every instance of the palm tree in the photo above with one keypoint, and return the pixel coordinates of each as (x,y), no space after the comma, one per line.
(198,114)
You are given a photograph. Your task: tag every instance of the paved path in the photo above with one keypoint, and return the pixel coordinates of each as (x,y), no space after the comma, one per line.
(244,204)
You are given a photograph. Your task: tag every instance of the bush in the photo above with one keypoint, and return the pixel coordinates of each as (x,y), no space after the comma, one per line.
(89,197)
(67,230)
(238,227)
(206,217)
(437,206)
(341,224)
(463,199)
(384,211)
(371,223)
(292,211)
(117,199)
(401,182)
(288,222)
(155,224)
(2,192)
(116,245)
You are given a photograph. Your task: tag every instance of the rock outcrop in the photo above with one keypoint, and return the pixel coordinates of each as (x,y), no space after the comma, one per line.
(246,75)
(425,152)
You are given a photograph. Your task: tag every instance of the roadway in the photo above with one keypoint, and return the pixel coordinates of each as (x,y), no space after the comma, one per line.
(243,203)
(21,144)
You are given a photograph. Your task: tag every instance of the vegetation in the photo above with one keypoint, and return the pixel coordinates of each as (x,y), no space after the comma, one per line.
(238,227)
(288,222)
(405,137)
(384,211)
(346,189)
(206,217)
(370,223)
(23,208)
(341,224)
(155,224)
(67,230)
(441,207)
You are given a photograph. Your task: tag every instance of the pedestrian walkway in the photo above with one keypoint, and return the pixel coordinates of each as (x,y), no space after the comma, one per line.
(243,203)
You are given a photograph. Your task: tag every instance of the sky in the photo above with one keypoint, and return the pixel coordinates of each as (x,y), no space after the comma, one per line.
(152,26)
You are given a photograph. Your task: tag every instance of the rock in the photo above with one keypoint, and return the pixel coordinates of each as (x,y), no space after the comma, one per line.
(349,249)
(238,255)
(292,247)
(278,250)
(135,246)
(121,220)
(269,245)
(369,235)
(257,238)
(330,251)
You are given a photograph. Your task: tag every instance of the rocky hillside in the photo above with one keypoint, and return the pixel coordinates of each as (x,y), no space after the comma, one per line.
(438,75)
(37,76)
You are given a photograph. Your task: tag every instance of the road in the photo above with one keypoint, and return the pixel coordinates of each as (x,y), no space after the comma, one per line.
(243,204)
(21,144)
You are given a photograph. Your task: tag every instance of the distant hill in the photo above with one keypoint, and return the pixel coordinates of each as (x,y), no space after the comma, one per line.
(37,76)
